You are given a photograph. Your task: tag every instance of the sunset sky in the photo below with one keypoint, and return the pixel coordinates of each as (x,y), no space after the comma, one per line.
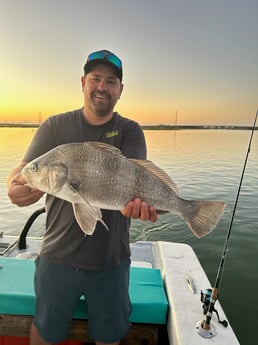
(196,58)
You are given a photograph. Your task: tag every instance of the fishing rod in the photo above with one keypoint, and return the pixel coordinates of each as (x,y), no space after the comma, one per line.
(210,296)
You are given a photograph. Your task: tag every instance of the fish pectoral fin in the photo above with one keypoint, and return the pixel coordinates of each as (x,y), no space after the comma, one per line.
(87,216)
(73,187)
(71,193)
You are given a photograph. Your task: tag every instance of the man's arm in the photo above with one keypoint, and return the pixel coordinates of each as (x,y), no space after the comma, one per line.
(18,192)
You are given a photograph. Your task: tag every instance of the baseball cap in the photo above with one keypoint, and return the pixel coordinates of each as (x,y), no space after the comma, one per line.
(104,57)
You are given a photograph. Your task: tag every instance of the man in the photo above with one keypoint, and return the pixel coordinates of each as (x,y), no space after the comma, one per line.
(70,264)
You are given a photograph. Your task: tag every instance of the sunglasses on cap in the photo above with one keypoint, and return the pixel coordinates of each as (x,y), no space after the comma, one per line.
(105,55)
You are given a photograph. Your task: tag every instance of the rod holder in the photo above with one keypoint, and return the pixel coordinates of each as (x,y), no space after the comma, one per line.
(205,333)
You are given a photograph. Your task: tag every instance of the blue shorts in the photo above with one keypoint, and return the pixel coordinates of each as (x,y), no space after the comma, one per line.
(58,288)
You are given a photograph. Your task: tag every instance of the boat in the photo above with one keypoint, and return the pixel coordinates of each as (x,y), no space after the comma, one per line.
(169,289)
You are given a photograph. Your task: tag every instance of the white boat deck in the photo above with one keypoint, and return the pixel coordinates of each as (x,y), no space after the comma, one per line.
(184,279)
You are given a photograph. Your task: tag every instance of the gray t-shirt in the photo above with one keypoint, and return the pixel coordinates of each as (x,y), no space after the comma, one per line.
(64,242)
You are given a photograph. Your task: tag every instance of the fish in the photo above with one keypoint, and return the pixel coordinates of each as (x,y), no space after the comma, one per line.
(95,175)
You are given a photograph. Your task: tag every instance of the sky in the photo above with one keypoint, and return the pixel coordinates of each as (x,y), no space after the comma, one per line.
(184,61)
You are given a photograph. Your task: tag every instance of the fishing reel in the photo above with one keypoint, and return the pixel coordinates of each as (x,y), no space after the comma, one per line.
(206,300)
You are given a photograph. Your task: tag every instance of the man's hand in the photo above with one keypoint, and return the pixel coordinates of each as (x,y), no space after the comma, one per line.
(18,192)
(139,209)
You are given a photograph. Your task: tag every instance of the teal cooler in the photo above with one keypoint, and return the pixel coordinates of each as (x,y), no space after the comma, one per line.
(149,302)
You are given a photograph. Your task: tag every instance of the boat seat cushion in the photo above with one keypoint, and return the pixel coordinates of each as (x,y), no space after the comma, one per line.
(149,302)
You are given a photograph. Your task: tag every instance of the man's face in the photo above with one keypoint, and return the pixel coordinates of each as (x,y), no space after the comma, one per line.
(101,89)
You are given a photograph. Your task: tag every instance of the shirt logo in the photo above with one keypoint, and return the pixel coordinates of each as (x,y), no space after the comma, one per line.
(112,134)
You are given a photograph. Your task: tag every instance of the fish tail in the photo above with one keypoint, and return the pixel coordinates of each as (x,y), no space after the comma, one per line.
(204,216)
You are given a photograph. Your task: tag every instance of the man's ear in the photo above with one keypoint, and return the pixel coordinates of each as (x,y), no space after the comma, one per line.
(83,81)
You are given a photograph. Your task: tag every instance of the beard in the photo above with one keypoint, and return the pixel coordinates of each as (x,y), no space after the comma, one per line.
(101,104)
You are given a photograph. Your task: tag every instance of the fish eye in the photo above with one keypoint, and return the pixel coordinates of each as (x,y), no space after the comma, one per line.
(34,167)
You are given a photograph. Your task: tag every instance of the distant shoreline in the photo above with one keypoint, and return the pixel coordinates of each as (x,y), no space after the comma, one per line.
(19,125)
(147,127)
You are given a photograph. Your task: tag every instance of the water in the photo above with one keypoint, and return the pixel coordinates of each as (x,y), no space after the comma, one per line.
(205,164)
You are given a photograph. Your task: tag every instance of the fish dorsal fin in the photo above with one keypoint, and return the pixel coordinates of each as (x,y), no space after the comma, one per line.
(105,146)
(156,171)
(147,164)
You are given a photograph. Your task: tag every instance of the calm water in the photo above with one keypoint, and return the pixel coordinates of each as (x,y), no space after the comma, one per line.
(205,164)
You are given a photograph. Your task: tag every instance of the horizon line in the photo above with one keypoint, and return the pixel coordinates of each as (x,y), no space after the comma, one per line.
(150,126)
